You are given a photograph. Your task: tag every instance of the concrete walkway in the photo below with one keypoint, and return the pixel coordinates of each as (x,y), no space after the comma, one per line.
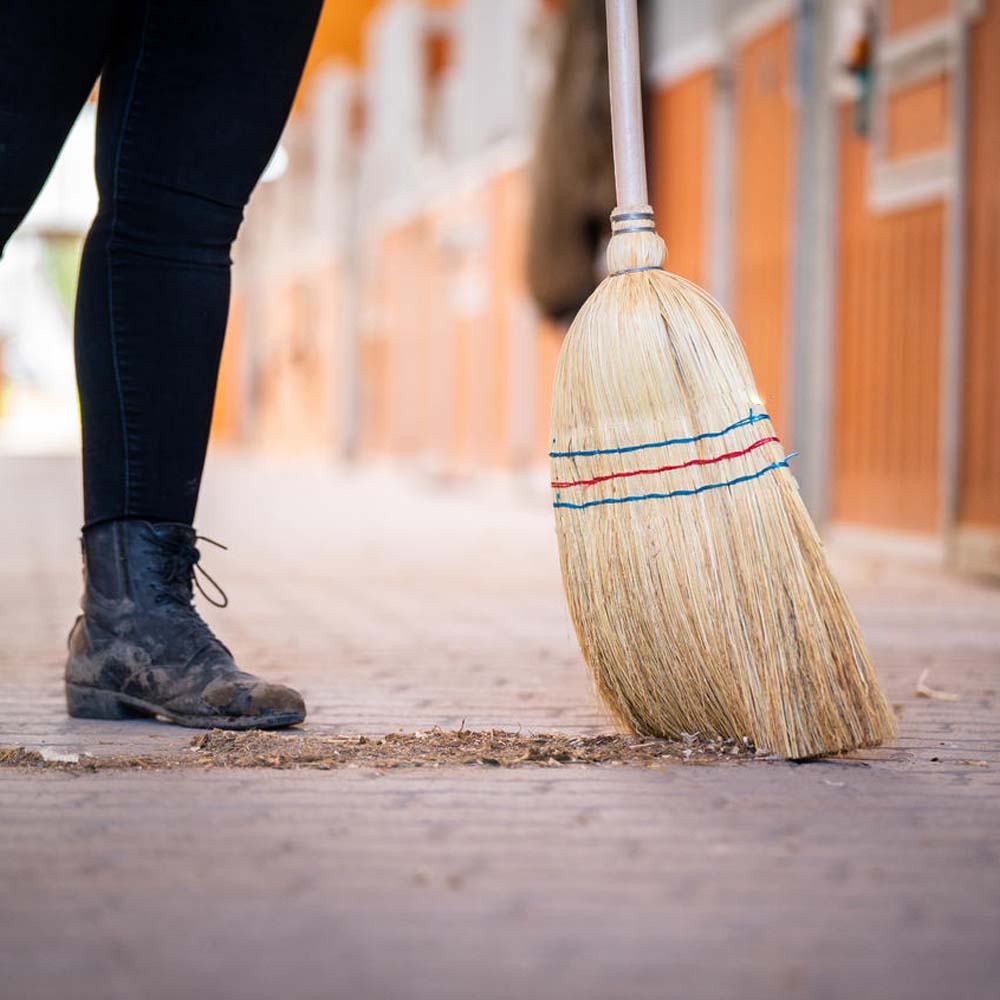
(396,606)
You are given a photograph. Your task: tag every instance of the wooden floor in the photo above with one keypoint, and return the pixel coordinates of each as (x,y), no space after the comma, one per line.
(398,606)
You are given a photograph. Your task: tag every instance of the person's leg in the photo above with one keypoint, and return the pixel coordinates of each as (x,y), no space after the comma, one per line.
(50,56)
(192,104)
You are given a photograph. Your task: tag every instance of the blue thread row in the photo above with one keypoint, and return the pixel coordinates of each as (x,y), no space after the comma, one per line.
(745,422)
(679,493)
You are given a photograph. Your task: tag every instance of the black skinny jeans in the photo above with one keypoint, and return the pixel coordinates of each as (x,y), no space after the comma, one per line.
(194,95)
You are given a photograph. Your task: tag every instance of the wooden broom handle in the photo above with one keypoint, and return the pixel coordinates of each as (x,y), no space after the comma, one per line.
(626,103)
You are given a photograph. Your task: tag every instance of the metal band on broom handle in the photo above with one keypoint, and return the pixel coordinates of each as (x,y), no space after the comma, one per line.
(626,104)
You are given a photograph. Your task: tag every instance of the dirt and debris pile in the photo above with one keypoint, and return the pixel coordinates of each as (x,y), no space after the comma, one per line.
(19,757)
(490,748)
(433,748)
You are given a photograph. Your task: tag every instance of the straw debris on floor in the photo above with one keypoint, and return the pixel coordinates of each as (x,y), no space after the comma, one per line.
(434,748)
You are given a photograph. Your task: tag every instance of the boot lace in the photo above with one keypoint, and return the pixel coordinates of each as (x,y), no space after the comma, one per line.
(181,567)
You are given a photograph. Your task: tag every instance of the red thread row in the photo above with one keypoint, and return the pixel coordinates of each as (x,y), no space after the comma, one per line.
(666,468)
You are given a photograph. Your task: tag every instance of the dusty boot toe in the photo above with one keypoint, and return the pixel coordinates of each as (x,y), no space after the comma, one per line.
(249,700)
(276,699)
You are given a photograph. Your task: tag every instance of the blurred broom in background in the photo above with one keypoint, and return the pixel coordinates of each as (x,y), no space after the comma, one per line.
(570,194)
(695,578)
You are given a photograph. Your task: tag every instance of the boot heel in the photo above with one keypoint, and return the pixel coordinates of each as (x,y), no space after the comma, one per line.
(90,703)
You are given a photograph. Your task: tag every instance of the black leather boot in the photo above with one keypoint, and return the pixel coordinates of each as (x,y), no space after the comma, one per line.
(141,649)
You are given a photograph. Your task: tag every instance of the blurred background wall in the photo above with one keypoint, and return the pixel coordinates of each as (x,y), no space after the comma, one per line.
(827,168)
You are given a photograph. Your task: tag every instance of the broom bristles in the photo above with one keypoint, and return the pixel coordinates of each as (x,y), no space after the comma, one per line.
(695,578)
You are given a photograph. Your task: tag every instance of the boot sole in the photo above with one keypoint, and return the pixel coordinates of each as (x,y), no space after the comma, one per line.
(93,703)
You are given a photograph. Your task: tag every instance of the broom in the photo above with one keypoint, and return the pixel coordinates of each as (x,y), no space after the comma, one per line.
(696,581)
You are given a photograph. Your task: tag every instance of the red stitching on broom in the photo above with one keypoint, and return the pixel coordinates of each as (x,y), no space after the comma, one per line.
(665,468)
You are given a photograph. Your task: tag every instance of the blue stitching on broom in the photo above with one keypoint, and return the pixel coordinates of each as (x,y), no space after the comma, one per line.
(678,493)
(745,422)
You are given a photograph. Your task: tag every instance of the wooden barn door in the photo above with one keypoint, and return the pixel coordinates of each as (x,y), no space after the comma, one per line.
(979,486)
(889,315)
(765,172)
(891,282)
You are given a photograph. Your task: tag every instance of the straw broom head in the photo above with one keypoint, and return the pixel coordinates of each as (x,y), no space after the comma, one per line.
(696,581)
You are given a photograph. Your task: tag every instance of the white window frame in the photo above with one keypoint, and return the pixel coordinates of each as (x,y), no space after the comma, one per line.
(928,50)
